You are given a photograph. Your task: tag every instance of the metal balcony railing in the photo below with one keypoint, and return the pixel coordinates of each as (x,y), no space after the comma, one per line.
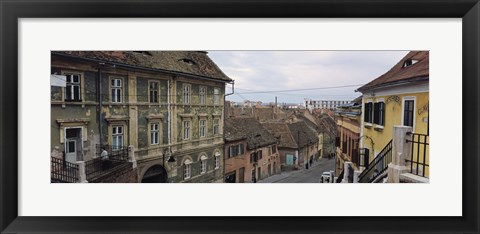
(62,171)
(117,156)
(378,166)
(418,160)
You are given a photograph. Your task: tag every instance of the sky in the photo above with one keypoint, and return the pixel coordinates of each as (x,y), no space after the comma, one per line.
(284,72)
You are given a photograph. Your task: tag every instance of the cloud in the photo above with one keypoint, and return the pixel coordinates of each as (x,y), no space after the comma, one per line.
(286,70)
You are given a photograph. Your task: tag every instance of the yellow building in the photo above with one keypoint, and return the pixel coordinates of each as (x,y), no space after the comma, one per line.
(348,119)
(399,97)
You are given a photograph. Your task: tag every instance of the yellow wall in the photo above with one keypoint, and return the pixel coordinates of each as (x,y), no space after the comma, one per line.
(393,117)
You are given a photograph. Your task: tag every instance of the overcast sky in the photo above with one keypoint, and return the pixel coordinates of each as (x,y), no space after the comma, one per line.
(260,71)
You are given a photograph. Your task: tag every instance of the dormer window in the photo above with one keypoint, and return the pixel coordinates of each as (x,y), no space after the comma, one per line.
(188,61)
(409,62)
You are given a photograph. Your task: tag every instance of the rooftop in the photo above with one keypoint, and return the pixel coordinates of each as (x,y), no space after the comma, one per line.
(250,130)
(195,63)
(414,66)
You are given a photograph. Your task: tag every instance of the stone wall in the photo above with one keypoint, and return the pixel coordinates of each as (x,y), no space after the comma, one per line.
(122,175)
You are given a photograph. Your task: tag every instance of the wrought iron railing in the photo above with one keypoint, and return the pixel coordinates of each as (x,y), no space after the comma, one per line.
(340,177)
(63,171)
(115,153)
(378,166)
(418,160)
(117,156)
(350,174)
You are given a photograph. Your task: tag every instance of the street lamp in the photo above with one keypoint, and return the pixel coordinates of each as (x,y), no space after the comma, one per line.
(167,152)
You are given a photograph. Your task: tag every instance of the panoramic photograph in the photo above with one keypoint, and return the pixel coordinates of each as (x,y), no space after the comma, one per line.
(239,116)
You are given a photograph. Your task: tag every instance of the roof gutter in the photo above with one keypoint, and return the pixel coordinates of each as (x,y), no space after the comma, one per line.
(142,68)
(391,84)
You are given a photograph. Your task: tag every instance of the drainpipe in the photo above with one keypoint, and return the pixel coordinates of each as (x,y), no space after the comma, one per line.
(169,122)
(233,89)
(100,107)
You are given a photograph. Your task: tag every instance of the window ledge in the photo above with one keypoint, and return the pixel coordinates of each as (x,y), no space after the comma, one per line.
(378,128)
(368,125)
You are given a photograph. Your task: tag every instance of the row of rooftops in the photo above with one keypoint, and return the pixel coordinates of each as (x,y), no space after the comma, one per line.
(193,63)
(294,131)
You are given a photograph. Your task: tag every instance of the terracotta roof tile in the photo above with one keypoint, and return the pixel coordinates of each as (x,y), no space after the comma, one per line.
(249,129)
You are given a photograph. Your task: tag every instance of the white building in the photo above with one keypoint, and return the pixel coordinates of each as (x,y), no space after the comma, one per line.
(323,104)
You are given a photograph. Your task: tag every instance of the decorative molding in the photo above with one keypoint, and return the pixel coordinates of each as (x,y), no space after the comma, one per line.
(79,120)
(150,117)
(393,98)
(423,109)
(116,118)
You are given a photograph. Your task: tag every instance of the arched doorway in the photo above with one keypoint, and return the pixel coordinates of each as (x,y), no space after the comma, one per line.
(155,174)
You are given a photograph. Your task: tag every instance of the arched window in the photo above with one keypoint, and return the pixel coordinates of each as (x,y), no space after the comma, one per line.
(187,169)
(203,164)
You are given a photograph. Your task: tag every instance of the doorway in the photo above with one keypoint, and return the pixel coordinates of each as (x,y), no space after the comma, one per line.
(73,144)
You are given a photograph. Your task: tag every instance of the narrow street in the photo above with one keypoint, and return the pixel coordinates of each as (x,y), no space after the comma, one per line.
(311,175)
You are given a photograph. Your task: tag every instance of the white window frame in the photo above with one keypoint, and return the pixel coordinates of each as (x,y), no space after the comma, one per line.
(186,93)
(202,128)
(409,98)
(72,85)
(186,130)
(187,169)
(216,96)
(154,133)
(384,114)
(150,90)
(115,89)
(216,126)
(217,162)
(371,112)
(116,135)
(203,165)
(202,91)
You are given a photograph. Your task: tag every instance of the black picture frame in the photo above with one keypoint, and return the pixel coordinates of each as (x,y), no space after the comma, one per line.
(11,11)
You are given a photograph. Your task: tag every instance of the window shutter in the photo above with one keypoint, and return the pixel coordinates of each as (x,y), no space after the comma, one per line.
(376,113)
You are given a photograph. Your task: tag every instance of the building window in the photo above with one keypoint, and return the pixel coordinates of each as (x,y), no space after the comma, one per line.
(216,96)
(186,130)
(186,94)
(216,126)
(72,89)
(153,91)
(240,149)
(274,149)
(117,137)
(187,169)
(201,92)
(235,150)
(409,62)
(202,127)
(154,137)
(217,162)
(116,90)
(259,153)
(379,113)
(408,108)
(368,112)
(231,151)
(203,165)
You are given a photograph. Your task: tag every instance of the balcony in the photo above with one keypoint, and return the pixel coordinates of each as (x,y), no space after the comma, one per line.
(97,167)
